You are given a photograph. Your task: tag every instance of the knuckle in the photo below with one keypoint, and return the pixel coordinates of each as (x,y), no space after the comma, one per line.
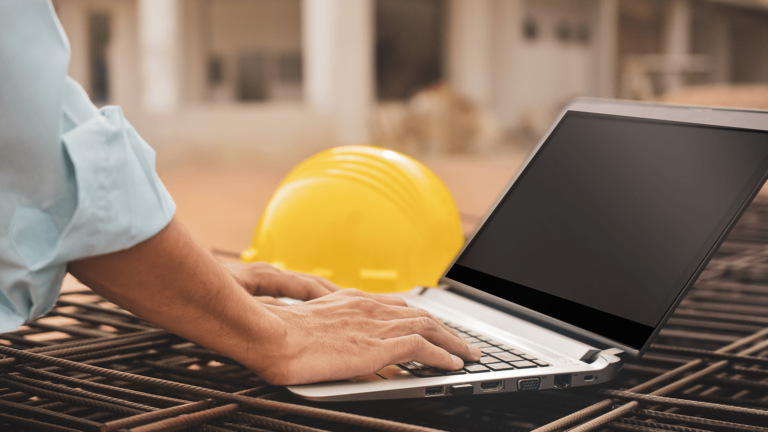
(423,313)
(415,342)
(352,292)
(426,324)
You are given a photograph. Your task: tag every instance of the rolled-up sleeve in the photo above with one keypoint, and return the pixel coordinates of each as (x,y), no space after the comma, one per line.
(75,181)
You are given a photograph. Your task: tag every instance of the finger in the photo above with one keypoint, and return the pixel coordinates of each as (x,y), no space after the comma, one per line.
(409,312)
(371,304)
(404,349)
(301,287)
(429,329)
(290,284)
(392,300)
(270,301)
(330,286)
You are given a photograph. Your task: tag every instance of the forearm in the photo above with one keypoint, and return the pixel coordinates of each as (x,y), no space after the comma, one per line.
(174,283)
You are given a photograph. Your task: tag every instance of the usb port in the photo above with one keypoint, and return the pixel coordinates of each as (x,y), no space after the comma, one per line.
(491,386)
(435,391)
(589,377)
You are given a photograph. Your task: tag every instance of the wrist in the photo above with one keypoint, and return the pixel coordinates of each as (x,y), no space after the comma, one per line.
(260,346)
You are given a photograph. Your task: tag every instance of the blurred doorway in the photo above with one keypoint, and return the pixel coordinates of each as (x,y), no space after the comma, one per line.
(98,34)
(409,46)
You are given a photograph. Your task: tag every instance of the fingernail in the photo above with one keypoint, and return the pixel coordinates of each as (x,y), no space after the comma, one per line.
(457,362)
(475,351)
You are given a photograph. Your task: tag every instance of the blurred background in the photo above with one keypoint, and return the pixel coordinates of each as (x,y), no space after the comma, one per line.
(232,93)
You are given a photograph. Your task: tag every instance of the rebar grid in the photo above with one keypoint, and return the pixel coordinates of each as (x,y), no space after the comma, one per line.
(91,366)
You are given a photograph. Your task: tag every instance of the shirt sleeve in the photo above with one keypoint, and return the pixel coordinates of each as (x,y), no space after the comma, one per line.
(75,181)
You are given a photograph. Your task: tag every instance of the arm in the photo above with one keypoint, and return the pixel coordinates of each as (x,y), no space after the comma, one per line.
(174,283)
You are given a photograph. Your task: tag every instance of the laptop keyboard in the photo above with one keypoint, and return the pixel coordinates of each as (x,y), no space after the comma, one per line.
(497,356)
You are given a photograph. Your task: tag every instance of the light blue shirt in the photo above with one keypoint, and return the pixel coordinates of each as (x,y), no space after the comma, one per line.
(75,181)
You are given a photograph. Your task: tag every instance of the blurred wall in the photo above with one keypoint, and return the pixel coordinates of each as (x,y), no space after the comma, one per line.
(276,80)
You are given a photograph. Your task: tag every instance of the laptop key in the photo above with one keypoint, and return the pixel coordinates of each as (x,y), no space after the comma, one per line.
(488,359)
(476,368)
(481,344)
(541,363)
(491,350)
(527,356)
(499,366)
(525,364)
(507,357)
(470,339)
(453,372)
(413,366)
(425,373)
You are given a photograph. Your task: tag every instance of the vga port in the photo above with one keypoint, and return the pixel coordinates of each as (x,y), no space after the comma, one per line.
(528,384)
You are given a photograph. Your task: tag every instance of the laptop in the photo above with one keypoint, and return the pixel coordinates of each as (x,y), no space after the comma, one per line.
(588,250)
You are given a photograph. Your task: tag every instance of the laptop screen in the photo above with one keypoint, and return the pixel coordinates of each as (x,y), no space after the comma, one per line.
(609,221)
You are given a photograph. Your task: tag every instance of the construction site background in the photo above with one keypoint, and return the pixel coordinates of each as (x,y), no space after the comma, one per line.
(232,93)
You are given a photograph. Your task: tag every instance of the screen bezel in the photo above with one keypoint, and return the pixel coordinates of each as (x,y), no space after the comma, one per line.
(705,116)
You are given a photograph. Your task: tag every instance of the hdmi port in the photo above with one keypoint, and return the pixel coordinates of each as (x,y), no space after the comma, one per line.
(491,386)
(435,391)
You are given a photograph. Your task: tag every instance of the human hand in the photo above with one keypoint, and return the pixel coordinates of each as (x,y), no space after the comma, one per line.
(350,333)
(266,282)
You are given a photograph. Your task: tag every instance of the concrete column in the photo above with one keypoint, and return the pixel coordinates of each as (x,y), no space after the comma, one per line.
(338,52)
(470,49)
(159,51)
(677,41)
(606,48)
(721,49)
(74,17)
(195,28)
(508,35)
(123,70)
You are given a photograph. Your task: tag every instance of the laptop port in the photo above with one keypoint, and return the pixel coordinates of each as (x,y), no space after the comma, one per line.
(562,381)
(435,391)
(589,377)
(489,386)
(462,390)
(528,384)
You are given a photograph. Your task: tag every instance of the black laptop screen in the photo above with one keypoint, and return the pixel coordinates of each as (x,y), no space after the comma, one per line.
(610,220)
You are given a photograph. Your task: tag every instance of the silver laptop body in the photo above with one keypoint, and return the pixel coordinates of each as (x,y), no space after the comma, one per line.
(573,356)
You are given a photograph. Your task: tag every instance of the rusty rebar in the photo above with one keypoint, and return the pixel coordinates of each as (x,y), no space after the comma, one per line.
(698,421)
(306,411)
(682,403)
(603,405)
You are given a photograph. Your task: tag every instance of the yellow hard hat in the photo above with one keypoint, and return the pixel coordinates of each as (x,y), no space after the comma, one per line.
(363,217)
